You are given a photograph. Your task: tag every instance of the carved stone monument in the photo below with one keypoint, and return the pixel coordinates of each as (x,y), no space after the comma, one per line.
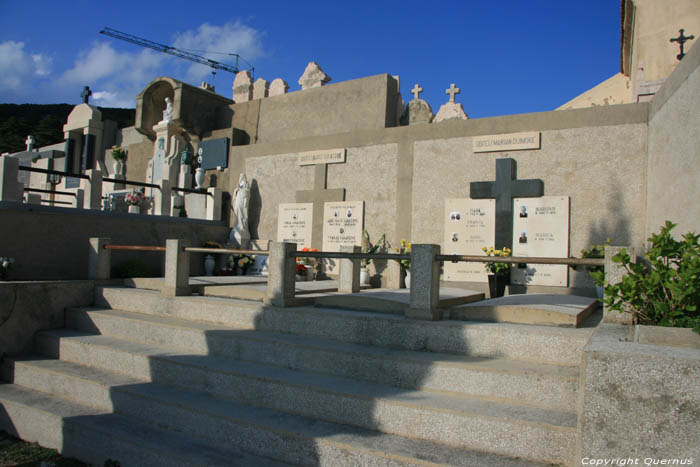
(418,110)
(313,77)
(278,86)
(240,236)
(451,109)
(470,225)
(243,87)
(260,88)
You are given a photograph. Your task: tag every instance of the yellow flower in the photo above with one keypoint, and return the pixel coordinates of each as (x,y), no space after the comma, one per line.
(403,243)
(484,249)
(408,245)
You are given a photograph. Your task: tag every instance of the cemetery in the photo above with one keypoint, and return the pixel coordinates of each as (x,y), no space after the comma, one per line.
(332,276)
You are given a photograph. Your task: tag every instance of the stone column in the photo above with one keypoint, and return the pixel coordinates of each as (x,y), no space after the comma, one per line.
(425,283)
(213,203)
(177,268)
(349,276)
(613,275)
(92,187)
(99,259)
(10,188)
(281,279)
(161,201)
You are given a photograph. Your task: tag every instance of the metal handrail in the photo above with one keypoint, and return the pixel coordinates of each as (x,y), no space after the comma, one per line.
(344,255)
(128,182)
(226,250)
(134,247)
(53,172)
(39,190)
(522,259)
(201,191)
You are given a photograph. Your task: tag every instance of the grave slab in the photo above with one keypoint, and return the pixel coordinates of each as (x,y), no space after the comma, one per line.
(394,301)
(541,309)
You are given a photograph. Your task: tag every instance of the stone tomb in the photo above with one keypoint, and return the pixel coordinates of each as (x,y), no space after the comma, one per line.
(342,225)
(294,224)
(541,228)
(470,225)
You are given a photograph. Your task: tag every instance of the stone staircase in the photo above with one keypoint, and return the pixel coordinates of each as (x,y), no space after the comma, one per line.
(147,380)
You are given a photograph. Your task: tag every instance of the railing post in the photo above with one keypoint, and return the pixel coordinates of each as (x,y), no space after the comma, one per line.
(99,259)
(349,274)
(10,188)
(213,211)
(162,201)
(613,275)
(92,187)
(281,279)
(425,283)
(177,268)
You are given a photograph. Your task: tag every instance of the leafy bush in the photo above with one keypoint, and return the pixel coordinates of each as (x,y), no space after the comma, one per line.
(666,290)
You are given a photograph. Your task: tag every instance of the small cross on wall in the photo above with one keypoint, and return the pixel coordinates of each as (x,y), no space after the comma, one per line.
(416,91)
(86,94)
(452,91)
(681,39)
(30,142)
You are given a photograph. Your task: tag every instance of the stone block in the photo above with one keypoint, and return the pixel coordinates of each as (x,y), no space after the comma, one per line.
(243,87)
(278,86)
(177,268)
(613,275)
(99,262)
(425,283)
(213,201)
(418,111)
(260,88)
(282,274)
(449,111)
(349,278)
(92,189)
(313,77)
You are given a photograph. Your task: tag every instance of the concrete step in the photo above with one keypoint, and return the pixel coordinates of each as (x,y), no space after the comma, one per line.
(544,344)
(468,423)
(262,431)
(94,435)
(537,384)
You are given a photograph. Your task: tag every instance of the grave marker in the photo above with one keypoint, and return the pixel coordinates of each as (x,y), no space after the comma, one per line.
(470,225)
(294,224)
(342,225)
(318,196)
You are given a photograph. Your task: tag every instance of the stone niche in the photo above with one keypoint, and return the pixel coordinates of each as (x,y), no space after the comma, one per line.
(196,110)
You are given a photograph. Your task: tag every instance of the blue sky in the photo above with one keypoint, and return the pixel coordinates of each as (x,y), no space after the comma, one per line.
(506,56)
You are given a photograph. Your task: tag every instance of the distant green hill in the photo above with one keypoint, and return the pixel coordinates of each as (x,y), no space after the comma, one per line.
(45,123)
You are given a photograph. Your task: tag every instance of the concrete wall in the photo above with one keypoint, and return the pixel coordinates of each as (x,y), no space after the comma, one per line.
(673,190)
(52,243)
(638,401)
(26,308)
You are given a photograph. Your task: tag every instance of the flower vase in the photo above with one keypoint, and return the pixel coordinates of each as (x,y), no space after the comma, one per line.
(117,167)
(199,178)
(497,285)
(301,277)
(134,209)
(364,276)
(600,291)
(209,263)
(407,279)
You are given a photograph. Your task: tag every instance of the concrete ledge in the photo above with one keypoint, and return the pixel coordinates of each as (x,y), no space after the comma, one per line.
(542,309)
(673,337)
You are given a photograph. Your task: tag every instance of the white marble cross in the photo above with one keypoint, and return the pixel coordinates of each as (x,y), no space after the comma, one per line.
(452,91)
(30,142)
(416,91)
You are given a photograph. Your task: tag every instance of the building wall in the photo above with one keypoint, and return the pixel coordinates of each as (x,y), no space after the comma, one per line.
(614,90)
(674,150)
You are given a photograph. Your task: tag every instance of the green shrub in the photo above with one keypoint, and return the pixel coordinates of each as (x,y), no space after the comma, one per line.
(666,290)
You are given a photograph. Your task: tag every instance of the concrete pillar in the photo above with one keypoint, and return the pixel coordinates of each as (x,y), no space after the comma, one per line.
(281,279)
(10,188)
(349,275)
(99,262)
(613,275)
(79,198)
(162,199)
(213,210)
(92,187)
(425,283)
(177,268)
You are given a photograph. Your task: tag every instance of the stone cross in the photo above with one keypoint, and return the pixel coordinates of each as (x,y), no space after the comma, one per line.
(681,39)
(318,196)
(452,91)
(503,190)
(416,91)
(86,94)
(30,142)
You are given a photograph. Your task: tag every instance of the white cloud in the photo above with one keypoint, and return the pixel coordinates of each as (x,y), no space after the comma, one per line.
(112,99)
(18,68)
(231,38)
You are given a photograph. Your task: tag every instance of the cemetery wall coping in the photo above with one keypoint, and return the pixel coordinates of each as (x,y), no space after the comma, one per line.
(675,80)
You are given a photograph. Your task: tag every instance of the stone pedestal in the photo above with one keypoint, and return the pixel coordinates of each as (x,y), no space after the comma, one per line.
(425,283)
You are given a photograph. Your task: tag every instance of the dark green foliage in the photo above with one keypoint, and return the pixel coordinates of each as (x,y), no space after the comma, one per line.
(14,451)
(45,123)
(128,269)
(666,290)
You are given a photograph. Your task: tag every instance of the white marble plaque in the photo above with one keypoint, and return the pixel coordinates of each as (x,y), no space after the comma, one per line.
(507,142)
(294,224)
(470,225)
(326,156)
(343,222)
(541,228)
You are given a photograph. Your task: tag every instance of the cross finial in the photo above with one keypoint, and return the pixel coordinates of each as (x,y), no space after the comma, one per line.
(452,91)
(30,142)
(86,94)
(681,39)
(416,91)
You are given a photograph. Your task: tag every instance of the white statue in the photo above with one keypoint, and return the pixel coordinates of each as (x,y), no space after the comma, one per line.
(168,112)
(241,197)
